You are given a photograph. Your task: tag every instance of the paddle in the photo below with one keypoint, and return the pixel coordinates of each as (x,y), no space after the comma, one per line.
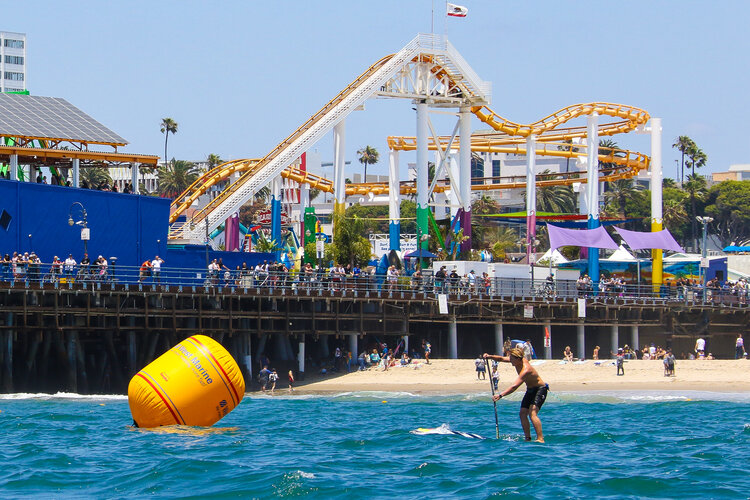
(494,403)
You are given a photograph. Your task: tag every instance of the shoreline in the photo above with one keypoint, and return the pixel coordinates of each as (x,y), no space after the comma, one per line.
(458,376)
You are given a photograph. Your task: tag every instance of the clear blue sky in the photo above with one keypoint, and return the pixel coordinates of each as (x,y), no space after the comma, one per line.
(240,76)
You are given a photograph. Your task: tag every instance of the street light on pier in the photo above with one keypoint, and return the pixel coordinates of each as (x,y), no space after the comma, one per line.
(85,232)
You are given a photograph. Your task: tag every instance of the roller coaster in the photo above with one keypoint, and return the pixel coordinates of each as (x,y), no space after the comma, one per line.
(452,81)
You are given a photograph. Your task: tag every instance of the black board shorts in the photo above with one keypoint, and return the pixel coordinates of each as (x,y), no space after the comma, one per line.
(535,396)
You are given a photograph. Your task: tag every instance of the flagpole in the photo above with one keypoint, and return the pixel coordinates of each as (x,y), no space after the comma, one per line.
(432,19)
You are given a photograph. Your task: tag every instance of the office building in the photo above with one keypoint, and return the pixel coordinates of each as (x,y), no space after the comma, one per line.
(12,62)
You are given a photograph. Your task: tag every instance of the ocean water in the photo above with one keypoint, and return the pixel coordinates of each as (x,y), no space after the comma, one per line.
(617,445)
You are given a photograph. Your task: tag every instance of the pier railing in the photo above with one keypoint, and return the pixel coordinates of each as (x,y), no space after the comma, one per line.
(46,276)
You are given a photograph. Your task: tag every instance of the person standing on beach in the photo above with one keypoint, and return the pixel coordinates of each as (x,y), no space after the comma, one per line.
(427,349)
(620,362)
(291,381)
(479,364)
(739,346)
(536,391)
(700,348)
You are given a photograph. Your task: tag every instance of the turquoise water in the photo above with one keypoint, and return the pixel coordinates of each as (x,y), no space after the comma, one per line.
(356,445)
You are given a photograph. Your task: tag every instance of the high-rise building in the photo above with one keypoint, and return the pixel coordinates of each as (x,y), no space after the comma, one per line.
(12,62)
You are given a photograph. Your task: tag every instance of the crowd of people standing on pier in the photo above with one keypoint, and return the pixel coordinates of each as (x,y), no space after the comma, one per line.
(25,267)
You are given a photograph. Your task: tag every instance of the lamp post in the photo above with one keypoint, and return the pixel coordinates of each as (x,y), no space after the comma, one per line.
(85,233)
(705,221)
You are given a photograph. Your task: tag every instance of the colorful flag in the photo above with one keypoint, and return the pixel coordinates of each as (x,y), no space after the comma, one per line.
(457,10)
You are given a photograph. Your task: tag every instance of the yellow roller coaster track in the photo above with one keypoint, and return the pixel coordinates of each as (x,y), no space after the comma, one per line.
(509,137)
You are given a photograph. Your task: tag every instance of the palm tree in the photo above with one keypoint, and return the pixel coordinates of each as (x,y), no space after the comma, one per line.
(368,156)
(168,126)
(675,214)
(176,177)
(213,160)
(619,192)
(683,144)
(697,158)
(668,182)
(558,199)
(94,177)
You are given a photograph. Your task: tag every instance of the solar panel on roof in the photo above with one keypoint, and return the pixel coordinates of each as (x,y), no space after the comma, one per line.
(50,117)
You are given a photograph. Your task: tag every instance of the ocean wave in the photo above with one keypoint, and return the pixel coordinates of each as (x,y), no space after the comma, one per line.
(64,396)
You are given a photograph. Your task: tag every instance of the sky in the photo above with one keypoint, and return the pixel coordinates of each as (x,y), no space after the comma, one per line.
(240,76)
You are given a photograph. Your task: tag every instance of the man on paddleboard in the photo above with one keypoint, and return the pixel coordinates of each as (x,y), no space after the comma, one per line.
(536,391)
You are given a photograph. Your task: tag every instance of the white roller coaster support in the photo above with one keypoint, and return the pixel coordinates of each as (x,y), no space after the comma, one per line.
(436,45)
(465,161)
(530,198)
(394,201)
(339,161)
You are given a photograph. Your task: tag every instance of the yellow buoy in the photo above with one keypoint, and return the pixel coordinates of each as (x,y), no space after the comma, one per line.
(197,382)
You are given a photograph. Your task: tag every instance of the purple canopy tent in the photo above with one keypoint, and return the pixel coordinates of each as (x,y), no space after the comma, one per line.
(652,240)
(593,238)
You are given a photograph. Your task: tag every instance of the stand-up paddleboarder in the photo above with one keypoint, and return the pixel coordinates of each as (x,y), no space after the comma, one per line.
(536,391)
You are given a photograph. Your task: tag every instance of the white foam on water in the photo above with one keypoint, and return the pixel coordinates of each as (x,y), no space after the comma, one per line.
(64,396)
(647,396)
(305,475)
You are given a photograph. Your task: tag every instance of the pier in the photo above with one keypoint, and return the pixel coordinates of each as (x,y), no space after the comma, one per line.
(92,337)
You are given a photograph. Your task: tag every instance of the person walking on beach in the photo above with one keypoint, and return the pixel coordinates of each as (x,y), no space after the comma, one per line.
(291,381)
(536,391)
(427,349)
(272,379)
(739,346)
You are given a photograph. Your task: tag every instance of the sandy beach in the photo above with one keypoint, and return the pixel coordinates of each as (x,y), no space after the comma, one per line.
(458,376)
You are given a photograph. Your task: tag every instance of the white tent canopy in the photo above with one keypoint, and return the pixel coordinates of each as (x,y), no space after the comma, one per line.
(621,254)
(557,257)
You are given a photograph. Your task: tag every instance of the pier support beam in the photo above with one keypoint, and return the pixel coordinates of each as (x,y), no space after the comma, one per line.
(301,358)
(453,339)
(406,344)
(634,337)
(614,333)
(581,343)
(353,347)
(499,341)
(548,348)
(7,355)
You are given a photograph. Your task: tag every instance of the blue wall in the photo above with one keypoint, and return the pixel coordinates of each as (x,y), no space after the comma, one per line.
(122,225)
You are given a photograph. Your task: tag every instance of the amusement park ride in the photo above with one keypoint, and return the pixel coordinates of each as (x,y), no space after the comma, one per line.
(430,73)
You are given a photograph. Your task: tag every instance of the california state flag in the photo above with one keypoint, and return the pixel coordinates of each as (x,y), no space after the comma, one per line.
(457,10)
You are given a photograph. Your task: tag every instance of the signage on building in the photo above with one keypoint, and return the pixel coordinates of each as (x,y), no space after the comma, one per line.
(528,311)
(381,247)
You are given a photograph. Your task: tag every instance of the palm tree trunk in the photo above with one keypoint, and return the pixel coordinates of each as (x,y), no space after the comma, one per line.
(166,138)
(682,169)
(365,179)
